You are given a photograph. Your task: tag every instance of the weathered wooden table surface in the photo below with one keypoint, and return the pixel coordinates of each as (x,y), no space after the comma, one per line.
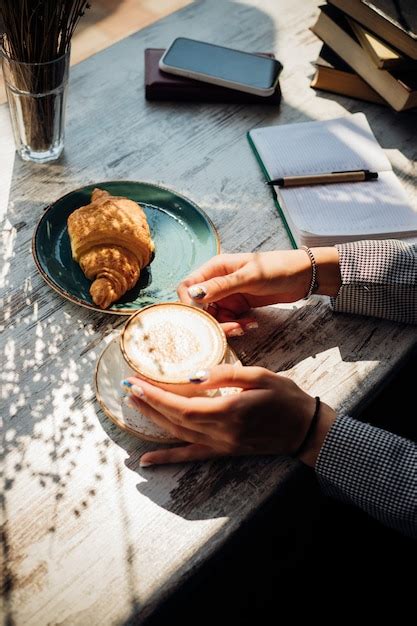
(89,537)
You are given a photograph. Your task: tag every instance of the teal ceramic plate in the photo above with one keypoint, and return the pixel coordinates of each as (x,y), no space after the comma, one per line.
(184,239)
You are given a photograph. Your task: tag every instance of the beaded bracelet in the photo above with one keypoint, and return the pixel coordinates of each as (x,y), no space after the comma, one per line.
(313,284)
(310,430)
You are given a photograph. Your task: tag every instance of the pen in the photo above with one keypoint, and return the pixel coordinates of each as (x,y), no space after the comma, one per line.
(353,176)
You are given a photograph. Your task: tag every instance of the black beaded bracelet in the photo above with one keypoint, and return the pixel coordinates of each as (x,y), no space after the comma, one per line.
(310,430)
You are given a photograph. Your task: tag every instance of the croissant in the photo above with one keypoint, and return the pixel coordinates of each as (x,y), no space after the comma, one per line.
(111,240)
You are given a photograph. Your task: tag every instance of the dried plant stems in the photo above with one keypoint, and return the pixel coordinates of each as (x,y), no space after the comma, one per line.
(38,32)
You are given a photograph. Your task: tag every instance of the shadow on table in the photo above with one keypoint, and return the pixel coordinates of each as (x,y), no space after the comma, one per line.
(214,489)
(298,549)
(48,370)
(402,127)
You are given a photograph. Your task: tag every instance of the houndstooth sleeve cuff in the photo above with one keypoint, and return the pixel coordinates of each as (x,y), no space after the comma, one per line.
(372,469)
(379,278)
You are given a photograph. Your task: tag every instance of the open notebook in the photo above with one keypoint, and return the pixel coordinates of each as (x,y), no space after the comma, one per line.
(328,214)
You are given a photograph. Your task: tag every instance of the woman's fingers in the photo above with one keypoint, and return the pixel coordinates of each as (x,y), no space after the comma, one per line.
(219,265)
(237,304)
(232,329)
(178,409)
(199,419)
(177,431)
(182,454)
(234,326)
(219,287)
(234,376)
(220,277)
(235,320)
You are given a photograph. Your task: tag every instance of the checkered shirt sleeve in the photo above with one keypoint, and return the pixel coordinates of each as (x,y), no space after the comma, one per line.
(373,469)
(379,278)
(358,463)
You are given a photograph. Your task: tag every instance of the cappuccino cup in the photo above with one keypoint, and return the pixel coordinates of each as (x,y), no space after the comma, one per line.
(167,343)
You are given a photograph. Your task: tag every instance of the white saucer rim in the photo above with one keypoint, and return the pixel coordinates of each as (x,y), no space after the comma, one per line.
(113,418)
(161,440)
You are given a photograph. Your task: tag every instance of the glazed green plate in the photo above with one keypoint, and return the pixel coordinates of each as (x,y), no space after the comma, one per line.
(184,239)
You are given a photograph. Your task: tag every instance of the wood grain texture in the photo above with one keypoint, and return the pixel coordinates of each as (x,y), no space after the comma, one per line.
(89,537)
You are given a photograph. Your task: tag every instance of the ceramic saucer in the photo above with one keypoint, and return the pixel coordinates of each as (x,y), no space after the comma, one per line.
(111,368)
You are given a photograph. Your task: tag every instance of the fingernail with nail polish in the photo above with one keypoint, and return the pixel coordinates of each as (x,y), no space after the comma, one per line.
(196,292)
(199,377)
(137,391)
(126,385)
(236,332)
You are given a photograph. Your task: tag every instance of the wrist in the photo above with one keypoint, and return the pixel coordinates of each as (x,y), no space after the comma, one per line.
(289,272)
(328,270)
(326,417)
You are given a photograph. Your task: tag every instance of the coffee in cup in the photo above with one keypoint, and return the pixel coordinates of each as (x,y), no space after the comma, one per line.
(167,343)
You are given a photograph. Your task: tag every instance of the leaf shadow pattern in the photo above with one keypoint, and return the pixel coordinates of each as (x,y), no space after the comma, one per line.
(81,477)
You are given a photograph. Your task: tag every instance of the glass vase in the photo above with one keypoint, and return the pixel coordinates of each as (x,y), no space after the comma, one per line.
(36,94)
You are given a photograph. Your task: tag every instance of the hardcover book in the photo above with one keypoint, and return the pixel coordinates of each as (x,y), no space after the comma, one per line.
(395,21)
(334,75)
(399,89)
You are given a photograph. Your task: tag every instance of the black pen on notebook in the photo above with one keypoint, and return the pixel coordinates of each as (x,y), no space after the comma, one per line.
(349,176)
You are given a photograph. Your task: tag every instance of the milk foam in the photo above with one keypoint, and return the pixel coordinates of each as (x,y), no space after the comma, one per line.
(168,343)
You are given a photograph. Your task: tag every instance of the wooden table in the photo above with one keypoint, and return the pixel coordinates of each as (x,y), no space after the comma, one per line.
(90,537)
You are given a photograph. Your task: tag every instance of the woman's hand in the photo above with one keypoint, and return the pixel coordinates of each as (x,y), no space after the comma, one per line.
(232,284)
(271,415)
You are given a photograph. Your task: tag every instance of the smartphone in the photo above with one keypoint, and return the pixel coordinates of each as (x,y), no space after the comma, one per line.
(218,65)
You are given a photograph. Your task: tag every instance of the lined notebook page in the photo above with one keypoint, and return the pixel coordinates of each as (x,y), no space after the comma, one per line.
(351,209)
(331,213)
(345,143)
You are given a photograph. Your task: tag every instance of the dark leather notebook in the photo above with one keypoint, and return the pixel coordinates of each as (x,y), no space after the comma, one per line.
(162,86)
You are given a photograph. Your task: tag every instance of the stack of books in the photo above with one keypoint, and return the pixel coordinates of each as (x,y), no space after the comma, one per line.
(369,50)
